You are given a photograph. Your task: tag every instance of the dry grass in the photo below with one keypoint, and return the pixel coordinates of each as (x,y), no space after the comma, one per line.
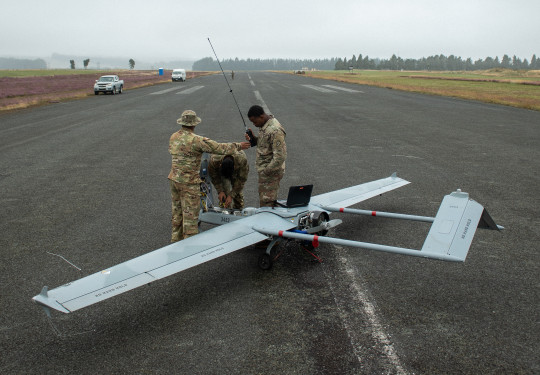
(23,89)
(500,86)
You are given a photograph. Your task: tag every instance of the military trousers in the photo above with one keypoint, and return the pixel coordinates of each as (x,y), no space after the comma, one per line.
(268,189)
(238,201)
(186,203)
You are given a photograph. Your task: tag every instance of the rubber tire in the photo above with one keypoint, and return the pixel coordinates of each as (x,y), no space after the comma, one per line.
(265,262)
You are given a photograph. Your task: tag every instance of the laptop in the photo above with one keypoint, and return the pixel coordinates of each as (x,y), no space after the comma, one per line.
(299,196)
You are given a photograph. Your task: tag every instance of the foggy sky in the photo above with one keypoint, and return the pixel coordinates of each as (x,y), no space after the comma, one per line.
(178,30)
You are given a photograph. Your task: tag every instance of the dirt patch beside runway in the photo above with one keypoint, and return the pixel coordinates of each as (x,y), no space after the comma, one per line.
(34,90)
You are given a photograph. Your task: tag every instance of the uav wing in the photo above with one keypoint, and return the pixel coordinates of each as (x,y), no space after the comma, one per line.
(355,194)
(158,264)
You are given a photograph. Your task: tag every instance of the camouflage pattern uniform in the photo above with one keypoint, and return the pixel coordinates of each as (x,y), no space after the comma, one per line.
(186,149)
(270,160)
(235,186)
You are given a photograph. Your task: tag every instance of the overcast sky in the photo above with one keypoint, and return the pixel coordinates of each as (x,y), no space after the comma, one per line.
(165,30)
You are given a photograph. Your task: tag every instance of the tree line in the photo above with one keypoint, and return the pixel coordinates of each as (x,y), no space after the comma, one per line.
(209,64)
(12,63)
(437,62)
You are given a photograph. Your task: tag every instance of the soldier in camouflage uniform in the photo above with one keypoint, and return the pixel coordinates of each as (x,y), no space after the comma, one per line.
(229,174)
(186,149)
(271,154)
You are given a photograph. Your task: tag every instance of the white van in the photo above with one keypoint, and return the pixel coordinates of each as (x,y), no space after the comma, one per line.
(179,75)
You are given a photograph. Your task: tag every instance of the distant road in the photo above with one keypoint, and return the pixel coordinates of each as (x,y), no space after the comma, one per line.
(86,182)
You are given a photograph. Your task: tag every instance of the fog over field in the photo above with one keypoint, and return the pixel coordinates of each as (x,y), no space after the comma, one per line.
(154,34)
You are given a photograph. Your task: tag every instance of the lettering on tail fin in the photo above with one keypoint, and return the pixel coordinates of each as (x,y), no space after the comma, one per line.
(469,221)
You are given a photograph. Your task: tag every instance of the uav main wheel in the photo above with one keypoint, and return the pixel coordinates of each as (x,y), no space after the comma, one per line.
(265,262)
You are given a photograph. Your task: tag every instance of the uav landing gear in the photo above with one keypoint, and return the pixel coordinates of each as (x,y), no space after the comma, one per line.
(271,254)
(267,258)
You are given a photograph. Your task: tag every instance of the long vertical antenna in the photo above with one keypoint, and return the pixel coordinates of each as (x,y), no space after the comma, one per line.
(226,80)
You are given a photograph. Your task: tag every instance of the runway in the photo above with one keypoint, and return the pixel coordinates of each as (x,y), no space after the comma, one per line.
(84,187)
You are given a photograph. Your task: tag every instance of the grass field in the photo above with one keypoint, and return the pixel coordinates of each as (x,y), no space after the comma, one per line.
(48,72)
(27,88)
(500,86)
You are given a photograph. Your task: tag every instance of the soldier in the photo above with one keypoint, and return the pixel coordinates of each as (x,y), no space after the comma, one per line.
(186,149)
(229,174)
(271,154)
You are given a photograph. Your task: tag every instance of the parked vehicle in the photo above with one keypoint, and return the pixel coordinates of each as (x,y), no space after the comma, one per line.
(111,84)
(178,75)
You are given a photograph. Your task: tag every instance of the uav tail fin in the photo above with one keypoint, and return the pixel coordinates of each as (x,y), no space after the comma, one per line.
(454,226)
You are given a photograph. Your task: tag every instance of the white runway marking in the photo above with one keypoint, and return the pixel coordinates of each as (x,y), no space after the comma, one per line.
(362,303)
(190,90)
(263,104)
(60,256)
(165,91)
(342,88)
(407,156)
(317,88)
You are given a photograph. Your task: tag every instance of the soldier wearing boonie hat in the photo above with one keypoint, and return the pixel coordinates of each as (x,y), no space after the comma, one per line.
(186,149)
(189,118)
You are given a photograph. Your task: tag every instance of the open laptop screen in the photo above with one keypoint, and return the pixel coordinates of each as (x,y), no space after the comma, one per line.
(299,195)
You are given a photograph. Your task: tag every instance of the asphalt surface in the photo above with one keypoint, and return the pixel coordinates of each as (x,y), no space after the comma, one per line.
(86,180)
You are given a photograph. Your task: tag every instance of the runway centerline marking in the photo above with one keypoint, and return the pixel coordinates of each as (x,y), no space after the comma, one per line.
(362,303)
(317,88)
(261,100)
